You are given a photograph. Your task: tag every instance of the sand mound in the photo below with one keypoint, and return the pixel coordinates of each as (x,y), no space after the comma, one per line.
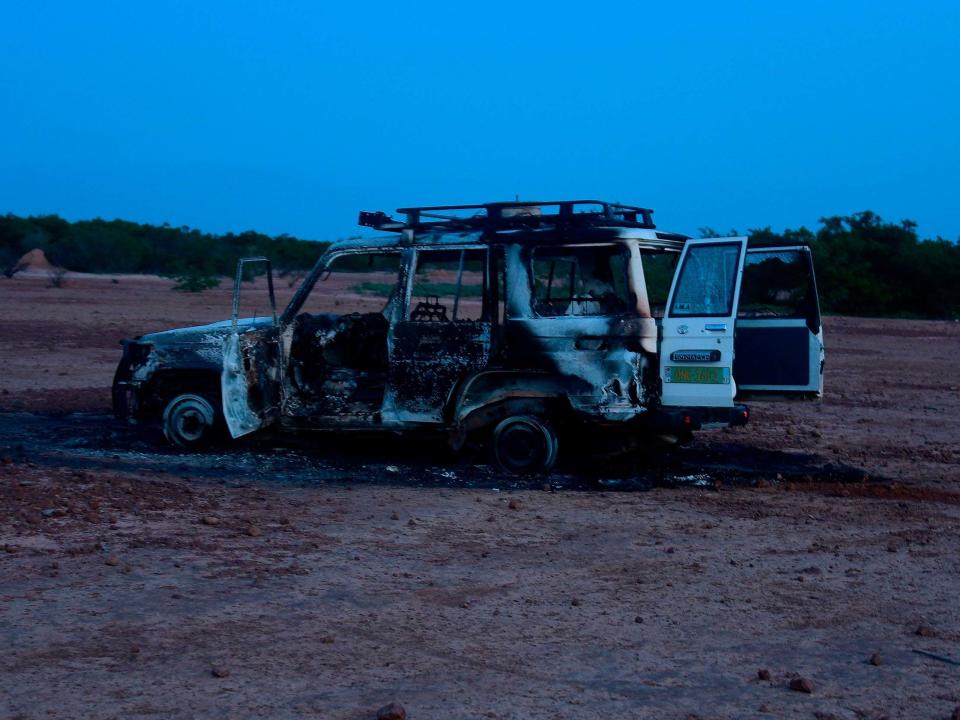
(34,260)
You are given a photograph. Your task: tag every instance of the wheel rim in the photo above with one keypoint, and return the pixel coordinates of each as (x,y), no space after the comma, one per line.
(188,419)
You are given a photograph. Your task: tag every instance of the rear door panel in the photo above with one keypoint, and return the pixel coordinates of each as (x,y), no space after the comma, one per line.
(697,333)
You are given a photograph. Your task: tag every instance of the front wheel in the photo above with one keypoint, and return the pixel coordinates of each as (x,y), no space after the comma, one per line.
(524,445)
(189,421)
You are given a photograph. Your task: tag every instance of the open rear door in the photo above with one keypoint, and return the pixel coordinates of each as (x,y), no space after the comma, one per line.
(697,338)
(779,340)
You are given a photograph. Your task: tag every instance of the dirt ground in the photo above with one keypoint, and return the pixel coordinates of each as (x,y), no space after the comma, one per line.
(280,579)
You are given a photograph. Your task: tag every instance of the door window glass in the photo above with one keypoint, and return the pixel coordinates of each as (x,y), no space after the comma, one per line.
(708,278)
(775,283)
(580,281)
(448,286)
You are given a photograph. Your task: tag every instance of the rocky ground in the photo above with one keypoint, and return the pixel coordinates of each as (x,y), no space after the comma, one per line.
(815,549)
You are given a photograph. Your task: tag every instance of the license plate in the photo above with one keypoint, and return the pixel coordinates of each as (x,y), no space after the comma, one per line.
(701,375)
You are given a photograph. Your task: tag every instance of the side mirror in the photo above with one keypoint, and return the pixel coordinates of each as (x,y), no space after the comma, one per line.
(239,279)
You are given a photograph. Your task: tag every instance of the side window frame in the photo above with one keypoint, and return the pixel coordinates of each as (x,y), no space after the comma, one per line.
(322,269)
(629,302)
(412,266)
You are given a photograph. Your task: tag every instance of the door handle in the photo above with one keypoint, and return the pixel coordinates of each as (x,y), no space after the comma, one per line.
(715,327)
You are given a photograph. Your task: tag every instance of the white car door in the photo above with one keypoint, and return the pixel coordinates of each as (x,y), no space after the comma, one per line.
(697,332)
(779,344)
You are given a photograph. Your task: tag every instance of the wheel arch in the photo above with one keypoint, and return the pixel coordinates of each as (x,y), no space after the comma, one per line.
(167,383)
(490,396)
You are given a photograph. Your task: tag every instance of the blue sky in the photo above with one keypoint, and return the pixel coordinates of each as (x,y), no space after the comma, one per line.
(292,116)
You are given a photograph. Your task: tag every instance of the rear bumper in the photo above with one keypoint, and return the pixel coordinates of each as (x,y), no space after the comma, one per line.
(680,419)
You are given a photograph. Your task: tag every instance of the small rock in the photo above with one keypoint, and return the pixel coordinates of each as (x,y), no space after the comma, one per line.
(925,631)
(763,674)
(393,711)
(394,515)
(411,522)
(112,561)
(514,504)
(575,602)
(48,512)
(254,531)
(210,520)
(327,640)
(801,684)
(638,620)
(875,659)
(891,546)
(219,671)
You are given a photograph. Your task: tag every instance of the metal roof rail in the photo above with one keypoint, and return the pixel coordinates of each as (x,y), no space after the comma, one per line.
(524,214)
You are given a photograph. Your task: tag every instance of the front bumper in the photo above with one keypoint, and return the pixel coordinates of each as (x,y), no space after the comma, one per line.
(680,419)
(126,390)
(126,400)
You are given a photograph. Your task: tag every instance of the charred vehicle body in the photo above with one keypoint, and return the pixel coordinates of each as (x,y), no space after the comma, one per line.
(499,322)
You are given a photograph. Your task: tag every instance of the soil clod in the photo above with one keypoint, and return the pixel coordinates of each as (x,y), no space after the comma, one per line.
(393,711)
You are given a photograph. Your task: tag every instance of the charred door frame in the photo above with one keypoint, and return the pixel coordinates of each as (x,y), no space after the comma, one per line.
(395,302)
(397,408)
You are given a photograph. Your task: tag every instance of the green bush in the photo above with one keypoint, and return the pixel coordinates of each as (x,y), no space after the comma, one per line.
(194,282)
(866,266)
(118,246)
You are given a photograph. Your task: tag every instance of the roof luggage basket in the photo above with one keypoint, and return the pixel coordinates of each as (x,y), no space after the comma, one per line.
(498,216)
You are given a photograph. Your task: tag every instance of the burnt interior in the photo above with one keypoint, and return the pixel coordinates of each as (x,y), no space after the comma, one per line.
(338,363)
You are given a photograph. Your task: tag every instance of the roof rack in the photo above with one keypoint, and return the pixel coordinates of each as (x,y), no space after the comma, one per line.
(513,215)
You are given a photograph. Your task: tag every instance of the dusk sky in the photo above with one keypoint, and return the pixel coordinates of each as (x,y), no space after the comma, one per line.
(292,116)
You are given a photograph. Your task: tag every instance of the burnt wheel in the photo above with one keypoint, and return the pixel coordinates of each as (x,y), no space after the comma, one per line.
(189,421)
(524,445)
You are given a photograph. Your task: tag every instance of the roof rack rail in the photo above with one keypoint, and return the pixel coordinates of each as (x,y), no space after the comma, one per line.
(512,215)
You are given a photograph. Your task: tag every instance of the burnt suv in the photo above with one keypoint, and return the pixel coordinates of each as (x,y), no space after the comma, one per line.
(502,323)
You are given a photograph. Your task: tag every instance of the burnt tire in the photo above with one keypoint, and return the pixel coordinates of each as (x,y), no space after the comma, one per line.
(190,421)
(524,445)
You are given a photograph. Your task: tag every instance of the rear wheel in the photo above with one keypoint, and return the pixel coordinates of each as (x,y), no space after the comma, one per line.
(190,421)
(524,445)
